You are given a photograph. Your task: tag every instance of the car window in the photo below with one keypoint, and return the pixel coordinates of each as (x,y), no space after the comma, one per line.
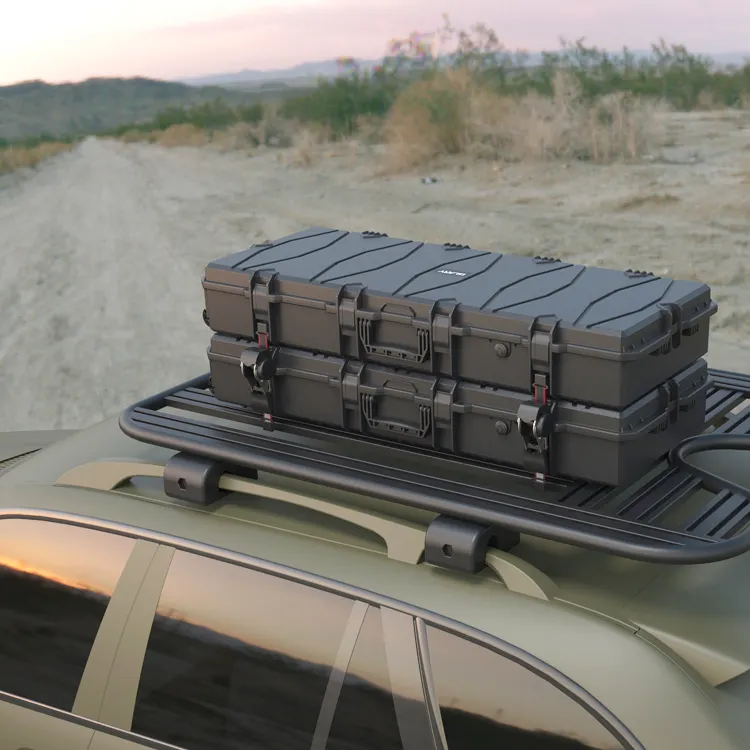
(56,581)
(489,700)
(365,717)
(237,658)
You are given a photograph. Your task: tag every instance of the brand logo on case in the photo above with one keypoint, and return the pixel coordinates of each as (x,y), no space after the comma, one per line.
(451,273)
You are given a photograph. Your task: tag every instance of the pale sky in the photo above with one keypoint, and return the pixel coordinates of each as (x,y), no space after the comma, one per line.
(75,39)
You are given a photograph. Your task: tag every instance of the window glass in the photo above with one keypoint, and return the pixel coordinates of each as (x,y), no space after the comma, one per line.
(488,700)
(56,581)
(237,659)
(365,717)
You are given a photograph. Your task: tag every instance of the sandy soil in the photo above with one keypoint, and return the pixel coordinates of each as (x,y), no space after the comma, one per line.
(102,249)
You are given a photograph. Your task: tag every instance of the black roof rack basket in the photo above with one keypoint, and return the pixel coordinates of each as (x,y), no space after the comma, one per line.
(668,517)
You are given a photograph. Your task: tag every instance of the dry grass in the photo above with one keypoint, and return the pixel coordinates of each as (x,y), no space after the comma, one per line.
(136,136)
(452,114)
(181,135)
(273,130)
(708,101)
(12,158)
(304,148)
(310,144)
(238,137)
(369,130)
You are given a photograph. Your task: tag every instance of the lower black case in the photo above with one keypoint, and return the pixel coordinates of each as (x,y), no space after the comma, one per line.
(558,438)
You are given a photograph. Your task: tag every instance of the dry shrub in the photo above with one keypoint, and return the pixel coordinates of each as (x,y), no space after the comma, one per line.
(621,126)
(453,114)
(429,118)
(12,158)
(182,135)
(369,129)
(707,101)
(306,145)
(136,136)
(273,130)
(236,137)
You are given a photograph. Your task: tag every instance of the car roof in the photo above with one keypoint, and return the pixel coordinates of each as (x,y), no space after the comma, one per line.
(699,612)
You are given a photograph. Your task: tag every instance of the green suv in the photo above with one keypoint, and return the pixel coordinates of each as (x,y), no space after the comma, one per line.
(277,610)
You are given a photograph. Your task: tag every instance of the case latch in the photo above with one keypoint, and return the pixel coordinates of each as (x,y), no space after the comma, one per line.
(535,426)
(541,359)
(258,367)
(674,323)
(260,293)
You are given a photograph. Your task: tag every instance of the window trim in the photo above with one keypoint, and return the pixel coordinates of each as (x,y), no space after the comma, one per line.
(339,670)
(428,684)
(415,720)
(92,688)
(120,691)
(543,670)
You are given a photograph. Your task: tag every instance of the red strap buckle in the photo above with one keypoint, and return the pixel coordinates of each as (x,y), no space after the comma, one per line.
(263,340)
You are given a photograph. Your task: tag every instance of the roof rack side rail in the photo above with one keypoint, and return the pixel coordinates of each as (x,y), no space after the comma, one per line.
(404,540)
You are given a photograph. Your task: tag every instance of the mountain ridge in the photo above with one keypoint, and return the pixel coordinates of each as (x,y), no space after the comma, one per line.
(328,68)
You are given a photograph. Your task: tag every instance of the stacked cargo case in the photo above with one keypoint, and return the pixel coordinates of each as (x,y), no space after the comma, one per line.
(557,368)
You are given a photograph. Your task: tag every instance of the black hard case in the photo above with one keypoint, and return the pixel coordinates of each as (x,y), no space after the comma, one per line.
(585,334)
(589,443)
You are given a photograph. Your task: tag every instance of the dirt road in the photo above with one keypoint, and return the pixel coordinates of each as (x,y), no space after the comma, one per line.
(102,249)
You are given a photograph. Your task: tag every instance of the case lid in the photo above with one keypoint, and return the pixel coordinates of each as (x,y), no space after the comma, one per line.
(616,311)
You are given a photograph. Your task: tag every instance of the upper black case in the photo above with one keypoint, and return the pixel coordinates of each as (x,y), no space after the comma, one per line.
(539,325)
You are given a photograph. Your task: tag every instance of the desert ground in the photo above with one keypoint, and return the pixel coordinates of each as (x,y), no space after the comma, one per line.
(102,249)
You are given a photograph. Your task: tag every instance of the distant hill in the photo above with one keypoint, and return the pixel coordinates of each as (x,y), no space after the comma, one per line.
(307,73)
(35,108)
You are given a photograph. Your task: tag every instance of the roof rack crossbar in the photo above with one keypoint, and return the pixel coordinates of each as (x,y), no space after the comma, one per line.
(631,522)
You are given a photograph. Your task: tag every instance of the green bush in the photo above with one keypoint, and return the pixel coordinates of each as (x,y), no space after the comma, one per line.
(669,72)
(211,116)
(35,141)
(338,104)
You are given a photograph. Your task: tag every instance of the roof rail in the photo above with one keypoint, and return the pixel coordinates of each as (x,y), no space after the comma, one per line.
(405,541)
(661,518)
